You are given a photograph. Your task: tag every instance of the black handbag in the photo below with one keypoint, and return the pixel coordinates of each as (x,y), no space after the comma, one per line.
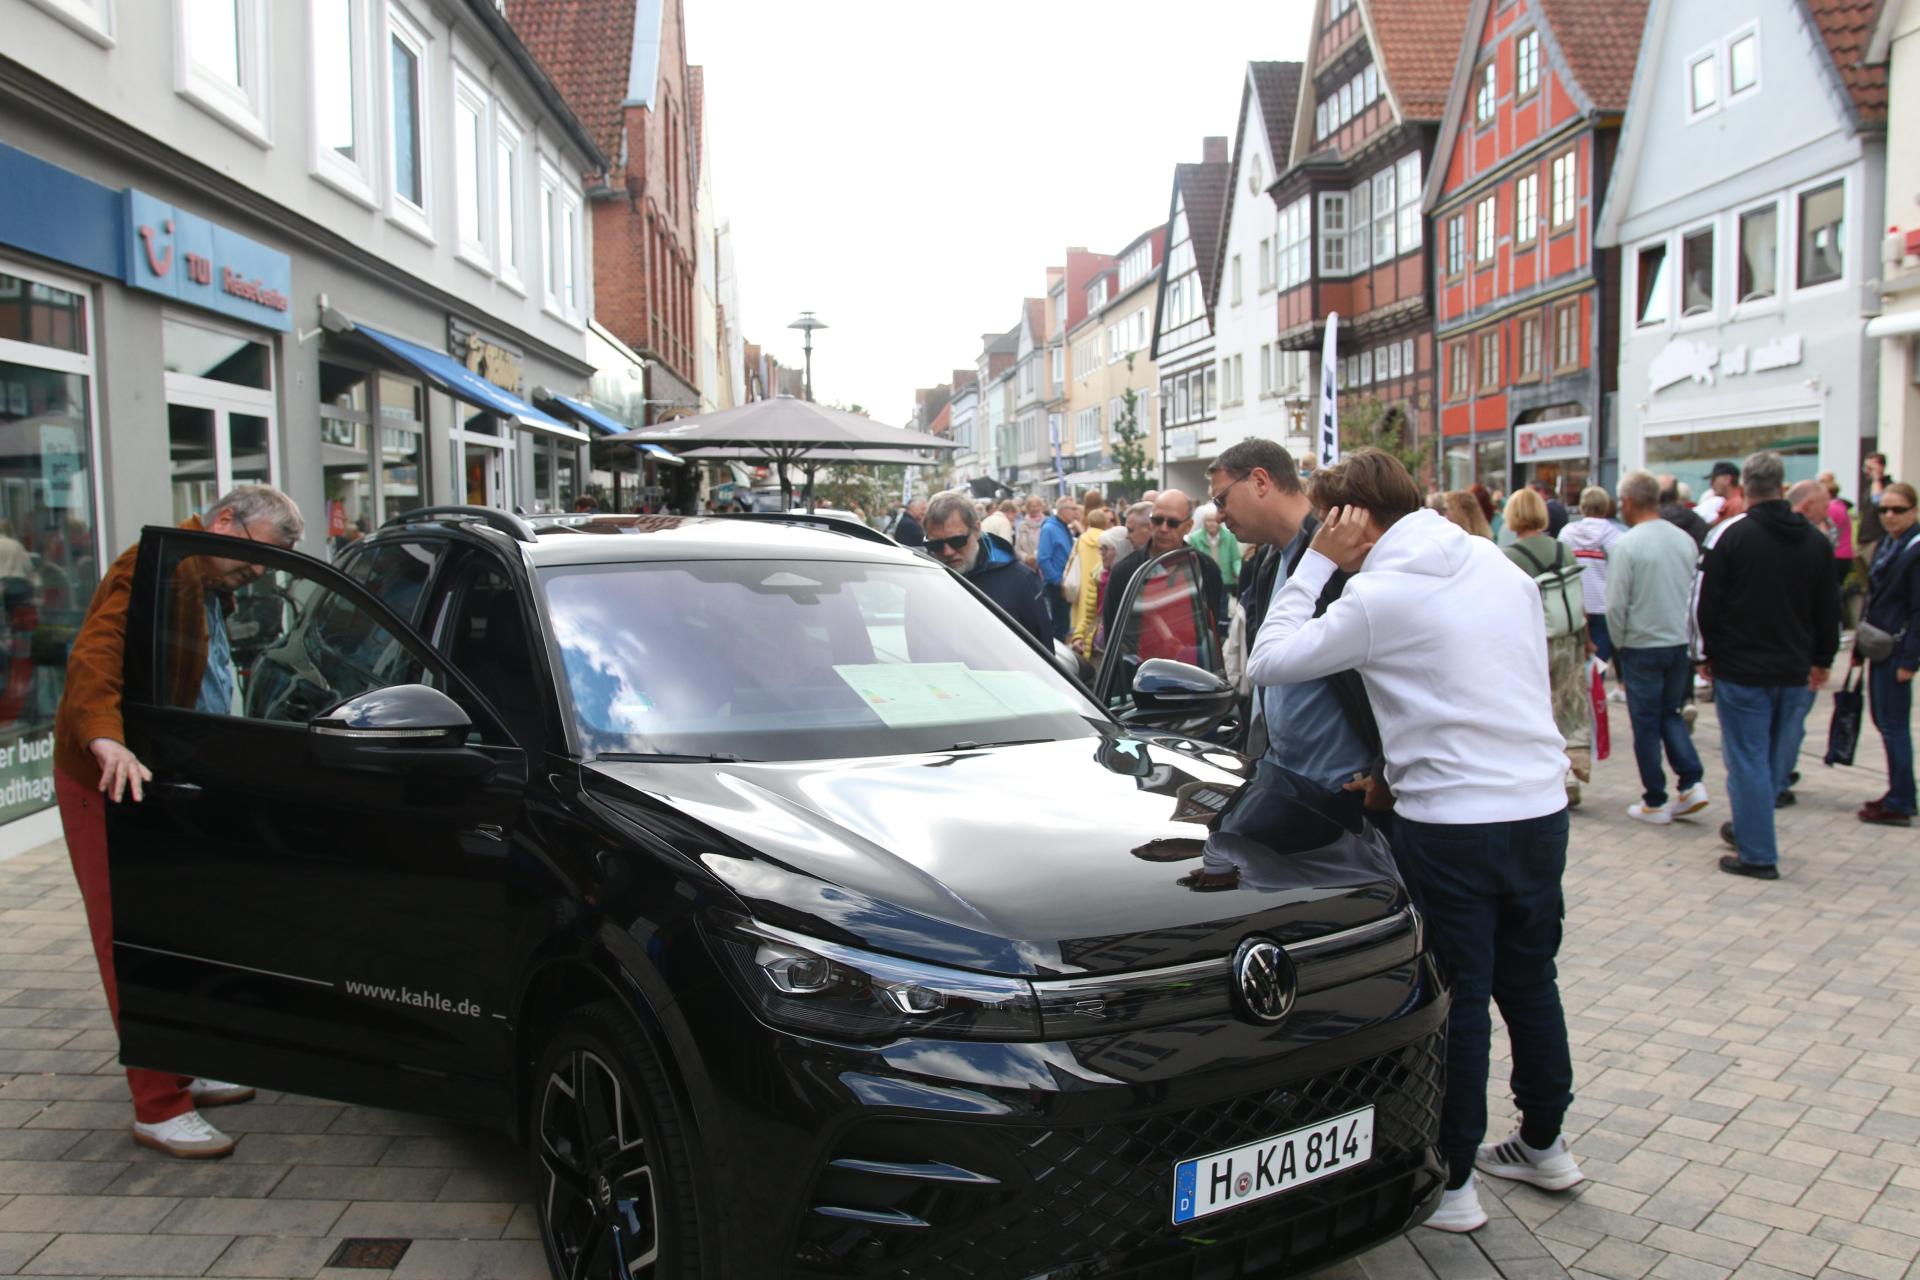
(1843,735)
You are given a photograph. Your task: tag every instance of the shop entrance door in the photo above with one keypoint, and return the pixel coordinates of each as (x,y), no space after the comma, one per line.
(220,413)
(486,474)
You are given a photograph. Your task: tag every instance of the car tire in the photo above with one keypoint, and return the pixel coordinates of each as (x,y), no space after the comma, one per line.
(612,1179)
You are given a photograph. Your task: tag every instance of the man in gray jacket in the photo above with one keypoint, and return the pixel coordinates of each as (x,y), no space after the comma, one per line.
(1649,585)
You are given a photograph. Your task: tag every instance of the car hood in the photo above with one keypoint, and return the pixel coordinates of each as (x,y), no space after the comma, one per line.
(1085,856)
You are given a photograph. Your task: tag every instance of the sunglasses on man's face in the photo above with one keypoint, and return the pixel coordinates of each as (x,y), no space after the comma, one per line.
(956,543)
(1166,522)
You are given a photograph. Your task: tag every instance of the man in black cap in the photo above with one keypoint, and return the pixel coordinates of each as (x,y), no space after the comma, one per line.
(1726,498)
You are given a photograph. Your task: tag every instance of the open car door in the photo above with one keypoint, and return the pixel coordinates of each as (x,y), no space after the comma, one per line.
(312,895)
(1163,666)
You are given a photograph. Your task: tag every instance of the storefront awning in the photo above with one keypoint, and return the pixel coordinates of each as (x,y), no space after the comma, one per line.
(462,383)
(1898,325)
(585,414)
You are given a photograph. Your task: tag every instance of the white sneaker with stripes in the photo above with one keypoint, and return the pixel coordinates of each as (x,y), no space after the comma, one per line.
(1551,1170)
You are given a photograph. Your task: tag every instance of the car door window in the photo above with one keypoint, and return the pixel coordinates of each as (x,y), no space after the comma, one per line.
(1165,615)
(236,638)
(397,573)
(485,635)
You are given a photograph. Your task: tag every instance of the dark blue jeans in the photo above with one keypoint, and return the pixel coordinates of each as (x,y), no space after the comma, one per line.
(1892,705)
(1658,682)
(1490,893)
(1058,610)
(1760,732)
(1602,639)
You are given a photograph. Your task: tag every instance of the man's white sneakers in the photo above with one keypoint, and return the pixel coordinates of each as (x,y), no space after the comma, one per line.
(1652,815)
(1459,1210)
(186,1136)
(1551,1170)
(218,1093)
(1692,800)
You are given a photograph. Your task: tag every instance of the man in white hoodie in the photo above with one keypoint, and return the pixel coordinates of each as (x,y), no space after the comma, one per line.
(1449,638)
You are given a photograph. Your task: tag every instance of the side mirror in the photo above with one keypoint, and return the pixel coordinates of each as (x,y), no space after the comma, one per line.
(401,729)
(1164,686)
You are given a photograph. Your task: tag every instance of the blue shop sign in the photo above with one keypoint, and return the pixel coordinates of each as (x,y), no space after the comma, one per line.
(191,260)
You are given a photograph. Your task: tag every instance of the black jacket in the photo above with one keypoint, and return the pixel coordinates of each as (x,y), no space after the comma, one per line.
(1011,585)
(1679,513)
(1769,605)
(1127,566)
(908,533)
(1893,596)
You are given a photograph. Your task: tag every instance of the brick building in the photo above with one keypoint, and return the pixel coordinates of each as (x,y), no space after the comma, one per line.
(1526,309)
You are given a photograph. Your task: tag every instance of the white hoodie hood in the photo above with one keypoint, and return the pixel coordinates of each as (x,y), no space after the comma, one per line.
(1449,638)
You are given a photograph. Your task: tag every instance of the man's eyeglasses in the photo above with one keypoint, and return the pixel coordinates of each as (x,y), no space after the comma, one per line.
(1220,499)
(956,543)
(1886,510)
(1166,522)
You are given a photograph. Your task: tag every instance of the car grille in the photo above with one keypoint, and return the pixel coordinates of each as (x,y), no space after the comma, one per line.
(1007,1202)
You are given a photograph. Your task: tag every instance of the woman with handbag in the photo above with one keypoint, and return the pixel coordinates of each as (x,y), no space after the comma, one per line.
(1888,638)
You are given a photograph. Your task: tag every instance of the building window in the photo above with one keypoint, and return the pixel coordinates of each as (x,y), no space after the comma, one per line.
(408,123)
(1209,392)
(1823,222)
(1490,360)
(1483,230)
(1234,275)
(1650,273)
(221,60)
(1385,212)
(1136,264)
(1566,190)
(1528,354)
(1266,368)
(1296,245)
(507,200)
(1566,337)
(1459,371)
(1407,179)
(1526,208)
(1406,355)
(91,18)
(1696,273)
(571,258)
(1333,233)
(1359,239)
(1320,122)
(1266,265)
(1526,64)
(1371,77)
(1759,251)
(342,105)
(1097,294)
(1059,363)
(1743,63)
(1703,85)
(471,153)
(1457,244)
(1487,94)
(373,450)
(1345,99)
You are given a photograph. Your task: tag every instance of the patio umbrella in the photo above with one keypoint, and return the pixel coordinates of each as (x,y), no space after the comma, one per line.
(811,461)
(784,431)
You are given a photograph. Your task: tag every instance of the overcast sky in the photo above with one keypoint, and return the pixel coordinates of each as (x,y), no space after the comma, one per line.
(908,169)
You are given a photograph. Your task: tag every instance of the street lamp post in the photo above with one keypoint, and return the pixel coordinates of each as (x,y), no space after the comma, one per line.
(807,324)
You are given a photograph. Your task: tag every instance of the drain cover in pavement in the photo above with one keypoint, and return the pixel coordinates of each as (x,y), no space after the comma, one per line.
(369,1254)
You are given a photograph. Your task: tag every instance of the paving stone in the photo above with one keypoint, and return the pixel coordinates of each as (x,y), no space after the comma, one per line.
(346,1182)
(473,1260)
(125,1255)
(54,1177)
(17,1248)
(224,1217)
(114,1215)
(277,1257)
(459,1220)
(200,1178)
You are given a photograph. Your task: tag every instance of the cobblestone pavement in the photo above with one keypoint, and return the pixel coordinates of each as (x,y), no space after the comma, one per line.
(1748,1097)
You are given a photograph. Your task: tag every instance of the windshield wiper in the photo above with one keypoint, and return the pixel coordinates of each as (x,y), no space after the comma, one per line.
(669,757)
(1010,742)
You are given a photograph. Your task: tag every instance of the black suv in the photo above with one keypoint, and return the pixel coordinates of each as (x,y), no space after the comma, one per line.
(795,913)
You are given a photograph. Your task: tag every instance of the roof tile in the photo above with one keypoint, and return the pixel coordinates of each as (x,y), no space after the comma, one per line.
(1278,84)
(585,46)
(1601,43)
(1847,26)
(1418,41)
(1204,188)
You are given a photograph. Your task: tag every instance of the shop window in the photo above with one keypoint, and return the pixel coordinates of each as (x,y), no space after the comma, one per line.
(1759,251)
(219,357)
(1823,223)
(1650,272)
(1490,461)
(409,129)
(367,484)
(1696,273)
(1689,455)
(48,565)
(220,58)
(342,102)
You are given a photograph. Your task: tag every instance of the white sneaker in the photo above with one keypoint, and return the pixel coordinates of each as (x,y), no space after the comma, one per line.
(1692,800)
(1459,1210)
(218,1093)
(1658,816)
(1550,1170)
(186,1135)
(1688,715)
(1618,695)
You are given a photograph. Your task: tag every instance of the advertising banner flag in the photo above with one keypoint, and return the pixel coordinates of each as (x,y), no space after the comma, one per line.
(1329,407)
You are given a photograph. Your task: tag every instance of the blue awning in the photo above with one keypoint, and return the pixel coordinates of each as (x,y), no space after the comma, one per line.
(662,455)
(462,383)
(581,411)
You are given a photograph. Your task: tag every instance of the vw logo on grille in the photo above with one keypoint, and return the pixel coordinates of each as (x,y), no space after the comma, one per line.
(1264,980)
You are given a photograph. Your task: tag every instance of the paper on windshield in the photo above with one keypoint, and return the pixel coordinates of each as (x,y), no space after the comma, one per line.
(906,694)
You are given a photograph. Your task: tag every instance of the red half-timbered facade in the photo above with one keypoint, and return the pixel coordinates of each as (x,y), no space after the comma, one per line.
(1351,235)
(1525,307)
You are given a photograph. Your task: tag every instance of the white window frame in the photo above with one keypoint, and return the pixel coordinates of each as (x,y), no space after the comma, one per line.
(1709,54)
(548,216)
(83,363)
(1411,231)
(356,179)
(1848,215)
(1677,260)
(1360,227)
(512,247)
(469,91)
(1234,275)
(1745,31)
(1631,270)
(91,18)
(1486,96)
(247,108)
(573,256)
(1571,159)
(1486,231)
(1058,363)
(1372,75)
(1526,69)
(1526,208)
(416,218)
(1386,214)
(1780,258)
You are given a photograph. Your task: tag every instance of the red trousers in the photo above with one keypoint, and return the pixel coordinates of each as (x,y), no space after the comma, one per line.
(157,1095)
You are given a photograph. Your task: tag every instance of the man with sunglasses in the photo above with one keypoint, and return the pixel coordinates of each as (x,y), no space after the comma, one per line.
(956,540)
(1169,525)
(93,766)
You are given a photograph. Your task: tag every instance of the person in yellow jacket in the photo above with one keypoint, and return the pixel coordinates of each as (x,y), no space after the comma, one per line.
(1086,605)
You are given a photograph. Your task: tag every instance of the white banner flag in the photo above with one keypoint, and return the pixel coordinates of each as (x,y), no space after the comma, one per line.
(1329,401)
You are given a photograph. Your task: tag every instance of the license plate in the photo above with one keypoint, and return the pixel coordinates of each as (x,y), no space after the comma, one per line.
(1229,1179)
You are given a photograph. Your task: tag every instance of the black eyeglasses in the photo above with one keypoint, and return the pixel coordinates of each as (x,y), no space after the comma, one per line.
(956,543)
(1167,522)
(1220,499)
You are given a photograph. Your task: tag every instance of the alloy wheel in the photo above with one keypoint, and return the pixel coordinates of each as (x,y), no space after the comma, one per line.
(601,1214)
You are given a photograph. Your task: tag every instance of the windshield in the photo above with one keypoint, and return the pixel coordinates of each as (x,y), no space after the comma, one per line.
(796,660)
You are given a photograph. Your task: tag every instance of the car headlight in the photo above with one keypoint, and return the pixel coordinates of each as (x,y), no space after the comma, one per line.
(826,989)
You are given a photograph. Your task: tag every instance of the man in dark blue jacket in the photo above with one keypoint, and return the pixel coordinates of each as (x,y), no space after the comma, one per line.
(986,560)
(1056,549)
(1893,606)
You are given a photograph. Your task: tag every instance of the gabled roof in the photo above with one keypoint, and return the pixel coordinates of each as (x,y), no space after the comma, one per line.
(1846,27)
(603,54)
(1416,43)
(1035,318)
(1275,86)
(552,95)
(1203,187)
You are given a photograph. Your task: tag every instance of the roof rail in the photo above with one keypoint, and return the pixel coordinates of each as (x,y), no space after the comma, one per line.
(501,521)
(809,520)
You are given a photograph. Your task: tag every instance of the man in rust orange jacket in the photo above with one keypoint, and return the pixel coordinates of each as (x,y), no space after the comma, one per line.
(93,765)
